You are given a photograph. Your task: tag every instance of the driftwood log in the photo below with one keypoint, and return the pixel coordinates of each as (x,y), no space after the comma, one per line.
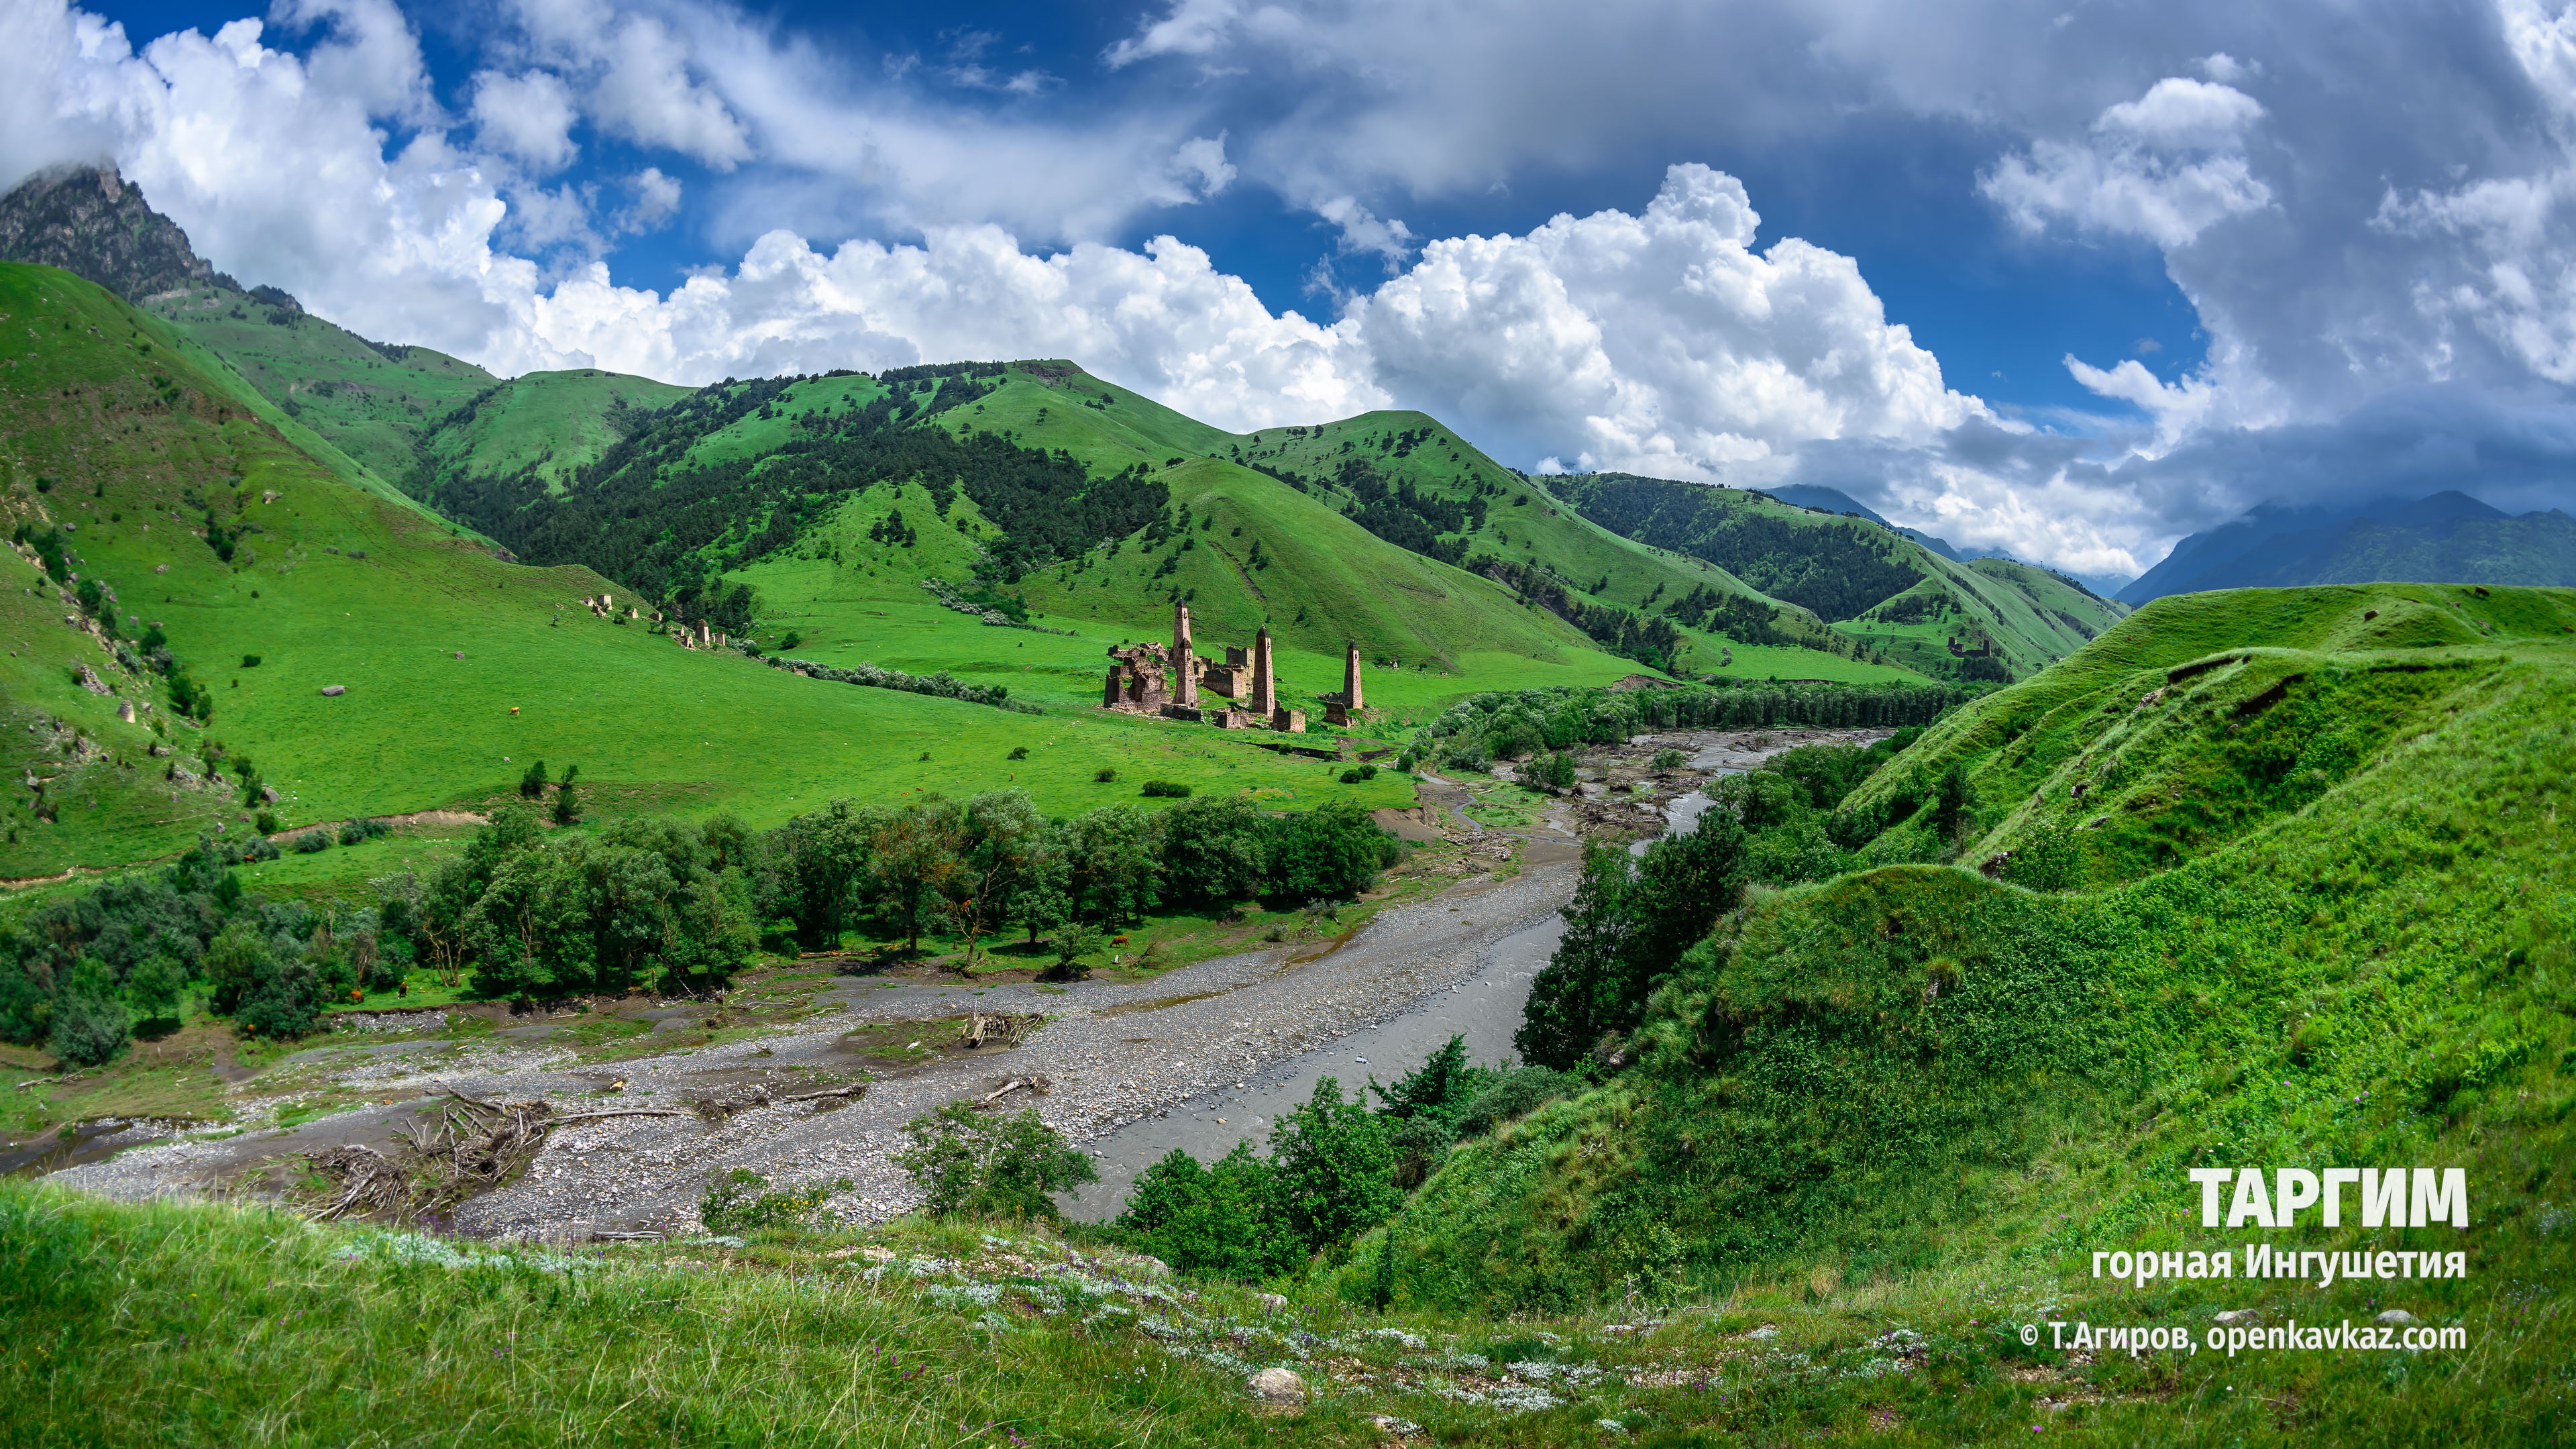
(1036,1085)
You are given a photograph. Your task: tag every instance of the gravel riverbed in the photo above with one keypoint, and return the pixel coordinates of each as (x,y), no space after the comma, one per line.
(1113,1053)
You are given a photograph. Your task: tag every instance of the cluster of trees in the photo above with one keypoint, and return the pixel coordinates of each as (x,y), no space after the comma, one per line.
(641,515)
(993,864)
(1336,1168)
(77,973)
(1652,642)
(1632,918)
(1406,516)
(1836,569)
(1744,620)
(644,901)
(1514,725)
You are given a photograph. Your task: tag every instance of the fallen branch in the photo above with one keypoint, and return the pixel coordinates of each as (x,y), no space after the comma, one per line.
(852,1090)
(1038,1085)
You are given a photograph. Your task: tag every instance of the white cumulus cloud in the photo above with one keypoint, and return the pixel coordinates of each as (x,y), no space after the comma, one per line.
(1660,342)
(2165,167)
(528,116)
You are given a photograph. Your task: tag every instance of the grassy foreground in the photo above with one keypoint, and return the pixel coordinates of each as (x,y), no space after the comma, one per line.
(203,1324)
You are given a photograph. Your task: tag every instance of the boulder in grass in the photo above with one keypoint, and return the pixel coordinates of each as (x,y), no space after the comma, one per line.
(1279,1387)
(335,689)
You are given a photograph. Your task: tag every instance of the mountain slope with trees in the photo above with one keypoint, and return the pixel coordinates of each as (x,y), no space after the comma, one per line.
(1979,619)
(189,581)
(2256,878)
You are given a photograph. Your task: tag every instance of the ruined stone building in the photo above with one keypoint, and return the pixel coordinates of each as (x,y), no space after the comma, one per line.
(1146,679)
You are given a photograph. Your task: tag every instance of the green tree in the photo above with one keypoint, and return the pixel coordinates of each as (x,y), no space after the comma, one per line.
(1334,850)
(89,1025)
(970,1164)
(567,805)
(156,984)
(811,869)
(1215,850)
(1113,871)
(1577,994)
(1000,857)
(1223,1218)
(914,858)
(1335,1170)
(1440,1088)
(533,784)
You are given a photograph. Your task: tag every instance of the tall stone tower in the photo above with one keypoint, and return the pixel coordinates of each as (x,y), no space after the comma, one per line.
(1185,682)
(1265,685)
(1351,679)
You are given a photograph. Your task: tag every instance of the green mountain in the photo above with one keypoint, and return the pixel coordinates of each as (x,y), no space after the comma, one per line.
(2256,878)
(2447,538)
(357,406)
(1972,619)
(186,556)
(1081,501)
(1385,529)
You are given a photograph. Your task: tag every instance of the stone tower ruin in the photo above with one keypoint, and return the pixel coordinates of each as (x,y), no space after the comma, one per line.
(1265,684)
(1184,667)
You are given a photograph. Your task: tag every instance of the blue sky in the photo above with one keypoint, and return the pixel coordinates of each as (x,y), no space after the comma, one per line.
(2067,279)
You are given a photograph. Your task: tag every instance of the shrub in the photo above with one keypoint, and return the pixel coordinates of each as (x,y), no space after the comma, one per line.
(1550,772)
(1222,1218)
(1668,759)
(741,1200)
(1335,1170)
(1073,941)
(1167,789)
(1359,773)
(533,784)
(1010,1167)
(265,822)
(1104,775)
(1405,762)
(259,847)
(366,829)
(1018,752)
(313,842)
(791,639)
(250,661)
(1515,1094)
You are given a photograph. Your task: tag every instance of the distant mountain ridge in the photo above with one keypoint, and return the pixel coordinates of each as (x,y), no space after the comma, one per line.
(2446,538)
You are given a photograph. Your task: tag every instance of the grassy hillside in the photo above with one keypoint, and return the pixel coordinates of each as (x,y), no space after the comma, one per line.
(458,668)
(373,401)
(2312,908)
(1981,619)
(773,489)
(547,423)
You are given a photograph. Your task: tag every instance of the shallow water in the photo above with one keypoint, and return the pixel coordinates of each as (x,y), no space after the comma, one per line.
(1486,1008)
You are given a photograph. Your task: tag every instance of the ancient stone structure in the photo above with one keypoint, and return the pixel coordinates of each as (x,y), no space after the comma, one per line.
(1184,664)
(1265,685)
(1166,680)
(1136,680)
(1341,709)
(1231,679)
